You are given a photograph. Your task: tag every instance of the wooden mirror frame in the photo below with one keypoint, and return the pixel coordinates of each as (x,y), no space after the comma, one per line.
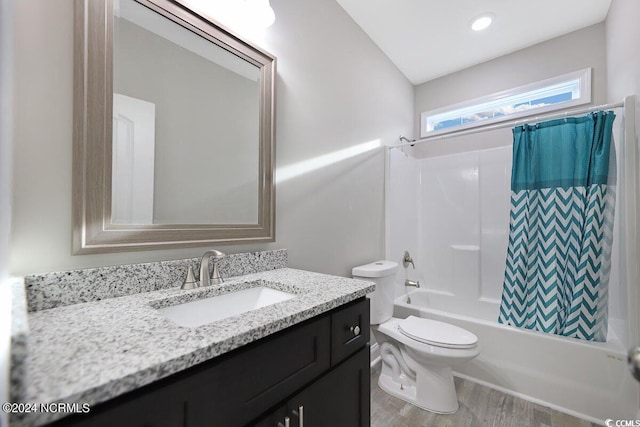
(93,231)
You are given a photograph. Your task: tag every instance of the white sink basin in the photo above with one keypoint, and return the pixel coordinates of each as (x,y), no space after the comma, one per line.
(197,313)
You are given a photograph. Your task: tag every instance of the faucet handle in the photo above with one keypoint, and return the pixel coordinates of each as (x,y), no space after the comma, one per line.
(190,281)
(216,277)
(406,260)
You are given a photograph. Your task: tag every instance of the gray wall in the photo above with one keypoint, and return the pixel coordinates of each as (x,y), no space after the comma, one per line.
(6,142)
(206,128)
(6,135)
(574,51)
(335,89)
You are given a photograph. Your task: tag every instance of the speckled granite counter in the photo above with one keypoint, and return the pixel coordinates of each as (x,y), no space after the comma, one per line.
(94,351)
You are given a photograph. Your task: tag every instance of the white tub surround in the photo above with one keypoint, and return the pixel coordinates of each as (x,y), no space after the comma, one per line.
(94,351)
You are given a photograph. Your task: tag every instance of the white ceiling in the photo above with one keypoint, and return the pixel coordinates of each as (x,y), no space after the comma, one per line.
(427,39)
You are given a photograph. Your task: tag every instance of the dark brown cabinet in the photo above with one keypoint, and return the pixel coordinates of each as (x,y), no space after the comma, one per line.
(317,371)
(157,407)
(340,398)
(252,381)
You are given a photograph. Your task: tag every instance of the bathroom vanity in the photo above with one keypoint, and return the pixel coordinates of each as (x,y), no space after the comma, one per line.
(303,361)
(315,374)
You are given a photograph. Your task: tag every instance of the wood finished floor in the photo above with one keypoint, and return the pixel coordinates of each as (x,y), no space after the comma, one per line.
(480,406)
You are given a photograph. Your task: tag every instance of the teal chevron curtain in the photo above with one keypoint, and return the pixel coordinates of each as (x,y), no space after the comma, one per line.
(561,222)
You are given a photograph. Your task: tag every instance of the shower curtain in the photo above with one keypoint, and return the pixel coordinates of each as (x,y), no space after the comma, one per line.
(560,231)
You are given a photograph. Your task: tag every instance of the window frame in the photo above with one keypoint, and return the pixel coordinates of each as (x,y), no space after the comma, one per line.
(583,76)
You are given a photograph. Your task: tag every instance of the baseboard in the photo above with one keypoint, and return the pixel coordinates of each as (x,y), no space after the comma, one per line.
(375,355)
(529,398)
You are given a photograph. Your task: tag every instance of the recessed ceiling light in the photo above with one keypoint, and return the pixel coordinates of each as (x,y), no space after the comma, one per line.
(481,23)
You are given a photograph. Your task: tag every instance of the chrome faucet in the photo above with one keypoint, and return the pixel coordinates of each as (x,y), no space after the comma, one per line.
(406,260)
(415,283)
(215,278)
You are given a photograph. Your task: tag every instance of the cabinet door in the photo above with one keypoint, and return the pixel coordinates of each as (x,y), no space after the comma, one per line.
(241,387)
(158,408)
(275,418)
(340,398)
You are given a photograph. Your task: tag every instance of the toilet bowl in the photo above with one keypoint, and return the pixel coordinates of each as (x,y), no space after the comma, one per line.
(417,354)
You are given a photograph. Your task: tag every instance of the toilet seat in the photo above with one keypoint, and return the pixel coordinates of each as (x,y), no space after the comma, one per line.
(436,333)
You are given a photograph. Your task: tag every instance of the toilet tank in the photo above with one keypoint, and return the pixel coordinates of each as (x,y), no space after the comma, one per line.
(383,274)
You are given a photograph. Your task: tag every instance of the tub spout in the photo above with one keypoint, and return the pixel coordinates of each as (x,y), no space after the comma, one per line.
(415,283)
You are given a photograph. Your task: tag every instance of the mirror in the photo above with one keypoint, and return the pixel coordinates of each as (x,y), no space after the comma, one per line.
(173,138)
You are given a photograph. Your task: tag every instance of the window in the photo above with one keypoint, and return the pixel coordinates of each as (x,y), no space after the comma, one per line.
(548,95)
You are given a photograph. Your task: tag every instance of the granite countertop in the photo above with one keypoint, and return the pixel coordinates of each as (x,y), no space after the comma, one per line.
(94,351)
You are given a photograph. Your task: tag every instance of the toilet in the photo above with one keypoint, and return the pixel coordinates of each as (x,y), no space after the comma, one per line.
(417,354)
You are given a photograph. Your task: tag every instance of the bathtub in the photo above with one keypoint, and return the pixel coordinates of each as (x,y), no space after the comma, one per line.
(585,379)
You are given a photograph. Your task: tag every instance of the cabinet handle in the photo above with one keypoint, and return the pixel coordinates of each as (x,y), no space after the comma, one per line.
(287,423)
(355,330)
(300,414)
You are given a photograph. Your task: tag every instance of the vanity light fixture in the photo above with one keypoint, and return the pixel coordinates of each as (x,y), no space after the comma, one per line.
(482,22)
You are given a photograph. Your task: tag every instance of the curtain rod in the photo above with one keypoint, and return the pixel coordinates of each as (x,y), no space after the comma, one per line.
(505,125)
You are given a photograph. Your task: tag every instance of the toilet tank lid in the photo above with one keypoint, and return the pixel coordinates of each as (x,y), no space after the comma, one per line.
(375,269)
